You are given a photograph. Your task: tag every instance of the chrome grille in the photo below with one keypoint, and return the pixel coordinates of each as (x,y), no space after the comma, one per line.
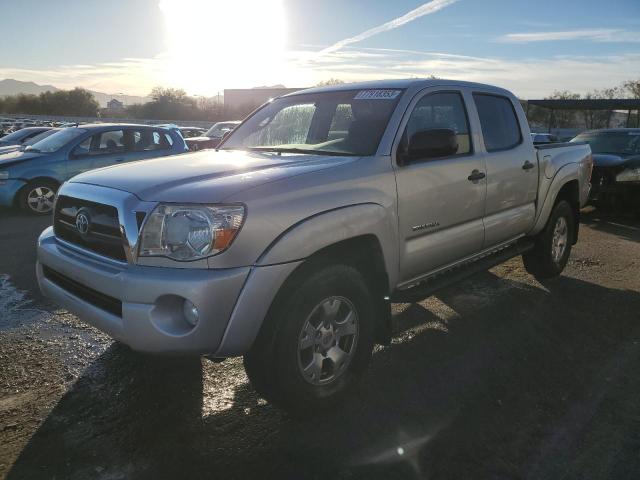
(103,236)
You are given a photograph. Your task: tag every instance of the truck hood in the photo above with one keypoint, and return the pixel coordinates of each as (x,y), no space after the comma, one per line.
(17,156)
(205,176)
(611,160)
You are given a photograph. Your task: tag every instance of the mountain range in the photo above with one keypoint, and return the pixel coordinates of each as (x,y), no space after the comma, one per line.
(9,86)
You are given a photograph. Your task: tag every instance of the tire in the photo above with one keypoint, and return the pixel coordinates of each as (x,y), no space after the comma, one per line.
(553,245)
(295,338)
(37,197)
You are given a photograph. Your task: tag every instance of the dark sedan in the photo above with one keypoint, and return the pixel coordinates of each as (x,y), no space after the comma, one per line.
(213,137)
(616,166)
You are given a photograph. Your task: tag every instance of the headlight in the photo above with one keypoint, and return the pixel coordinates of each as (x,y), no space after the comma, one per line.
(629,175)
(190,232)
(4,176)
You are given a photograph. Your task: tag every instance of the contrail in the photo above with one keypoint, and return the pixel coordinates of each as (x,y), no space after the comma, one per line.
(422,10)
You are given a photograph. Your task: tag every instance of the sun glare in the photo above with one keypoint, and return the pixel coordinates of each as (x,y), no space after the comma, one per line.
(214,44)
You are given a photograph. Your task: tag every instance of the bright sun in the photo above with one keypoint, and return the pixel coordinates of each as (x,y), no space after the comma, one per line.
(215,44)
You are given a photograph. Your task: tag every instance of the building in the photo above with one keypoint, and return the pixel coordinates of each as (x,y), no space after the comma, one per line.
(115,106)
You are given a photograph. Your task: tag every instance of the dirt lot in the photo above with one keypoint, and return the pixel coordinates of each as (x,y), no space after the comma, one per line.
(499,377)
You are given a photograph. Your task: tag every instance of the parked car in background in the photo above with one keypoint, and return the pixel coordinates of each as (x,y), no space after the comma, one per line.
(29,142)
(286,244)
(616,166)
(20,136)
(543,138)
(212,137)
(189,132)
(30,178)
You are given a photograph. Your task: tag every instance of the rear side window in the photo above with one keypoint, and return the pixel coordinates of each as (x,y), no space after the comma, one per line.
(150,140)
(500,127)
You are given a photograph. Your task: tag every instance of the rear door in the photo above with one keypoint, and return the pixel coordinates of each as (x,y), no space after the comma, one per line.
(512,168)
(440,208)
(142,143)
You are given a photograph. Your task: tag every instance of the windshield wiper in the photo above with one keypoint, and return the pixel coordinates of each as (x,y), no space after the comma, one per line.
(300,150)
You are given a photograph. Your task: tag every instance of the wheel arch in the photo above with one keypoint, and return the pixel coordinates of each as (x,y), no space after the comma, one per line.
(564,186)
(30,182)
(348,229)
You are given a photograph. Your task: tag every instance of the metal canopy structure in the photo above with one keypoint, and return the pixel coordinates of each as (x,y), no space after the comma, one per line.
(589,104)
(628,104)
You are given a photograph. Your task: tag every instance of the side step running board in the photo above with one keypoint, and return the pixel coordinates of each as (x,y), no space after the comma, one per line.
(455,274)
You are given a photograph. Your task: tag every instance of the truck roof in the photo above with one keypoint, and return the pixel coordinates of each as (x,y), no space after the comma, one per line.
(405,84)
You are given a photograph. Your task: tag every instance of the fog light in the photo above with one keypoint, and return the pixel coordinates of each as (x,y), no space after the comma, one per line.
(190,312)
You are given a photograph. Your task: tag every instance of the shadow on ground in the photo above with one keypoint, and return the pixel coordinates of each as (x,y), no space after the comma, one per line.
(621,224)
(526,385)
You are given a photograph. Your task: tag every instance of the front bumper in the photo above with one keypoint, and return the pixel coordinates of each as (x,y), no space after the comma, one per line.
(150,297)
(9,190)
(605,184)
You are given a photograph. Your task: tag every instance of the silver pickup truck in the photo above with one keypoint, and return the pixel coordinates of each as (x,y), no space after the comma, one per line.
(288,243)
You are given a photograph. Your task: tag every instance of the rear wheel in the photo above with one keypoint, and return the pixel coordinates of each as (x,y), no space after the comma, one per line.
(37,197)
(316,343)
(553,245)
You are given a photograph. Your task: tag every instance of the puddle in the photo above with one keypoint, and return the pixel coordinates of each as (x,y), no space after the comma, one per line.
(16,308)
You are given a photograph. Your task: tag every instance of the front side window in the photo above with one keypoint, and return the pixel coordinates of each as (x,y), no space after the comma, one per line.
(345,122)
(441,111)
(500,127)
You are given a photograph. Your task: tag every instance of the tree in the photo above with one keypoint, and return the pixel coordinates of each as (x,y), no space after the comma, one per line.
(632,87)
(563,118)
(330,82)
(81,102)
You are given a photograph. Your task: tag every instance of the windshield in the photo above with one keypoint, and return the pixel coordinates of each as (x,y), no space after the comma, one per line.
(15,136)
(40,136)
(619,143)
(219,129)
(348,122)
(58,140)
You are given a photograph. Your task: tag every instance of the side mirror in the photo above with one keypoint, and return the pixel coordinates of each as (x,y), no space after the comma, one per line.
(434,143)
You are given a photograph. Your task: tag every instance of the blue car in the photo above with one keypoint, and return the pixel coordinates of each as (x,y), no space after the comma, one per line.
(30,178)
(19,137)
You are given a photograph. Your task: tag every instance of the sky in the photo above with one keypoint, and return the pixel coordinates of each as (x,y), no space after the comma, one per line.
(204,46)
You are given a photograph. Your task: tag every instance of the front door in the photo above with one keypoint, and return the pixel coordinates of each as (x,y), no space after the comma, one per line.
(441,200)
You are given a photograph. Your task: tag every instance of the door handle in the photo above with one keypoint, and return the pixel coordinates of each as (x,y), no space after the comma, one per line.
(476,175)
(119,159)
(528,165)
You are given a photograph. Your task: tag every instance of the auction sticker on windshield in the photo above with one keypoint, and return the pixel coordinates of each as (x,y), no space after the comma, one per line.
(377,94)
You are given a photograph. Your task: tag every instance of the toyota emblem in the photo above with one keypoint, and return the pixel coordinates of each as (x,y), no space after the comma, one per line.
(82,223)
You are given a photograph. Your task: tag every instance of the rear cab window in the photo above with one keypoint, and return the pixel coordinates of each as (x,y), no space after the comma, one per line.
(499,122)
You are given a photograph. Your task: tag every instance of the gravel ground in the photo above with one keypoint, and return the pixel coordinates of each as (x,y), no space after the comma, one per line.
(499,377)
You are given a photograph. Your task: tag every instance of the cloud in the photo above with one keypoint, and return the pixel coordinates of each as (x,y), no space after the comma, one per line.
(526,77)
(421,11)
(594,35)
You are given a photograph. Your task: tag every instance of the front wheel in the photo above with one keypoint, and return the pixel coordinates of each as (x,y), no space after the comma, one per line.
(38,197)
(317,342)
(553,246)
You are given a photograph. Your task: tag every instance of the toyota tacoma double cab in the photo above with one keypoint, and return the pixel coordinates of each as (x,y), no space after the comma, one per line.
(287,244)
